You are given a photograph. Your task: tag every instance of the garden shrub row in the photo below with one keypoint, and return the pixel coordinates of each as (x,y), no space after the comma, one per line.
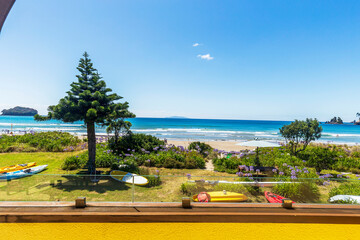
(40,141)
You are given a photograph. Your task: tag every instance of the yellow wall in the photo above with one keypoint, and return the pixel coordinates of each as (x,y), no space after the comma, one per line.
(208,231)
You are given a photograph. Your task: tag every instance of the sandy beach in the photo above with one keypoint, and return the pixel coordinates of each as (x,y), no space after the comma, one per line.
(222,145)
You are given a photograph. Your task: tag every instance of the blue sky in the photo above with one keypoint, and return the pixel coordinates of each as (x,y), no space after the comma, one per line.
(276,60)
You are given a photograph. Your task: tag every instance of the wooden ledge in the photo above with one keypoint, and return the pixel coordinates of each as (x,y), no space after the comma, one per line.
(11,212)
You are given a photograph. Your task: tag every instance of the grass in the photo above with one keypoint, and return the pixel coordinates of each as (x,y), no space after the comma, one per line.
(54,160)
(55,184)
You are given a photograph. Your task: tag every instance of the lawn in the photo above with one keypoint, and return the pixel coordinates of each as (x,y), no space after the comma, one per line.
(55,184)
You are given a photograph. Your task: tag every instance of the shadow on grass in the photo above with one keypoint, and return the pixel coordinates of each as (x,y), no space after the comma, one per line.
(82,181)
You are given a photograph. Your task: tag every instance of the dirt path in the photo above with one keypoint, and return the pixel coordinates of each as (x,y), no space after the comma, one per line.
(209,166)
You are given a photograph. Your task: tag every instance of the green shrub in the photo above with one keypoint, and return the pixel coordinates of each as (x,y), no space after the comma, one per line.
(42,141)
(352,188)
(229,165)
(318,157)
(172,157)
(75,162)
(135,143)
(203,148)
(154,179)
(104,159)
(346,164)
(299,192)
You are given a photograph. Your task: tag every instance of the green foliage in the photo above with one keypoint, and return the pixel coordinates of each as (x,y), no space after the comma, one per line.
(352,188)
(154,179)
(203,148)
(319,157)
(301,132)
(42,141)
(89,100)
(298,192)
(136,143)
(229,165)
(172,157)
(104,159)
(75,162)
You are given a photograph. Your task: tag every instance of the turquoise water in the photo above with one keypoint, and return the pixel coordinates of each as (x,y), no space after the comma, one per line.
(191,129)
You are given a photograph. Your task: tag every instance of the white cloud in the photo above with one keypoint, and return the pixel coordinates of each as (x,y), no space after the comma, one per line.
(205,56)
(196,44)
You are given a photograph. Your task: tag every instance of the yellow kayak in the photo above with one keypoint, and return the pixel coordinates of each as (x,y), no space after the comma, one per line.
(130,178)
(16,167)
(220,196)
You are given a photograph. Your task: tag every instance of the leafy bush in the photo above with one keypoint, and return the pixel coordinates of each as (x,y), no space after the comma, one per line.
(320,158)
(104,159)
(171,157)
(203,148)
(298,192)
(42,141)
(229,165)
(352,188)
(75,162)
(154,179)
(135,143)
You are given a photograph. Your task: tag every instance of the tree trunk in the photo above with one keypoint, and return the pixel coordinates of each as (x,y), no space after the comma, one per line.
(91,146)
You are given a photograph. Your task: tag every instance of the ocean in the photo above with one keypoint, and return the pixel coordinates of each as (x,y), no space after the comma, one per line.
(191,129)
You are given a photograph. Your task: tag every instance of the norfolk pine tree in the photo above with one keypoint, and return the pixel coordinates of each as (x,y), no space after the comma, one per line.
(89,100)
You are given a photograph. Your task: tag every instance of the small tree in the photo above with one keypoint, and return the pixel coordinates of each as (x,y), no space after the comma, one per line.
(301,133)
(88,100)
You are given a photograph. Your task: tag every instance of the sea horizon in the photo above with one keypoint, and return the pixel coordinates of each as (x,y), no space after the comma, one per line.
(190,129)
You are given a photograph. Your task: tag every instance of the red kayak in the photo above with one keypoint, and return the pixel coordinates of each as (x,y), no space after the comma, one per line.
(274,198)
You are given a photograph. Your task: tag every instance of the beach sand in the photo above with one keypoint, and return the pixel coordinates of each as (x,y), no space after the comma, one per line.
(221,145)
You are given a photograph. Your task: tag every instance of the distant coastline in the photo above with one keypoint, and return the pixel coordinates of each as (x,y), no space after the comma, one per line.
(189,129)
(19,111)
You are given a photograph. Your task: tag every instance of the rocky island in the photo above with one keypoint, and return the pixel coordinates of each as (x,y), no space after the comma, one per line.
(335,120)
(19,111)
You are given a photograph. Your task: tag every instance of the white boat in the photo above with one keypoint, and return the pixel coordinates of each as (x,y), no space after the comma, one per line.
(346,198)
(129,178)
(22,173)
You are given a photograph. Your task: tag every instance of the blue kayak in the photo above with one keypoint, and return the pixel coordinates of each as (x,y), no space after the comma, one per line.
(22,173)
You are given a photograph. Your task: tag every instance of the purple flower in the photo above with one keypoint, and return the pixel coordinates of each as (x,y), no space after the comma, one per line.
(281,173)
(326,183)
(284,164)
(188,176)
(293,177)
(274,170)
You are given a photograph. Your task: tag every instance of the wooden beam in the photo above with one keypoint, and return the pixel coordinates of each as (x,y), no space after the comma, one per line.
(5,6)
(26,212)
